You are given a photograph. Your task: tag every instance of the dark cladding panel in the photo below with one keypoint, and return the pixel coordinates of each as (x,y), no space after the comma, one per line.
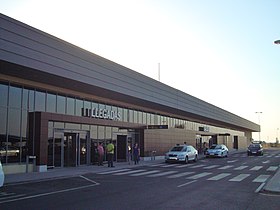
(58,60)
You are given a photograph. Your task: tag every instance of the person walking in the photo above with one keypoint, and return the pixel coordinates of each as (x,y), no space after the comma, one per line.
(100,154)
(110,153)
(136,153)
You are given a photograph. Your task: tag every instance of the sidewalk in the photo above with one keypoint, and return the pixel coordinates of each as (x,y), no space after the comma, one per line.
(272,186)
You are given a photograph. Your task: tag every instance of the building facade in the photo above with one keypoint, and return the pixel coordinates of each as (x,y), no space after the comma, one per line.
(59,101)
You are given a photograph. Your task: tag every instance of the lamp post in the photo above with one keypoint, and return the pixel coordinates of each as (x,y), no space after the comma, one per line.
(259,124)
(277,140)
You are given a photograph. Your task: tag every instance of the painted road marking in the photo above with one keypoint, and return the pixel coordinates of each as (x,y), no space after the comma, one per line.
(170,165)
(241,168)
(199,175)
(197,166)
(210,167)
(272,168)
(219,176)
(239,178)
(226,167)
(231,161)
(145,173)
(115,171)
(162,174)
(180,174)
(261,178)
(256,168)
(183,166)
(187,183)
(129,172)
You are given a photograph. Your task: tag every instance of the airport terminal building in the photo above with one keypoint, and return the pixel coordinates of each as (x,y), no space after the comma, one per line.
(59,101)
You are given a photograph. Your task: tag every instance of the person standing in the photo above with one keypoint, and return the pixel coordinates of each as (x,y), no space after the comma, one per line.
(110,153)
(100,154)
(136,153)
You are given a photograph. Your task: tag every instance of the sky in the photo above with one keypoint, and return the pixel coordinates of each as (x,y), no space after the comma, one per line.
(220,51)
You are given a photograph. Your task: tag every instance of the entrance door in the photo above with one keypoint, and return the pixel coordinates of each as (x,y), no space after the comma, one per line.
(121,148)
(70,149)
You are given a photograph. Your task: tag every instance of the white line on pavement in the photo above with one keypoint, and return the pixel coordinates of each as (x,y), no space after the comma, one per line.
(115,171)
(180,174)
(145,173)
(199,175)
(256,168)
(187,183)
(272,168)
(239,178)
(129,172)
(219,176)
(226,167)
(241,168)
(259,188)
(162,174)
(261,178)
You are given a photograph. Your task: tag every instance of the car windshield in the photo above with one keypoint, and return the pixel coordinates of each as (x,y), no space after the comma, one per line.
(178,148)
(216,147)
(254,146)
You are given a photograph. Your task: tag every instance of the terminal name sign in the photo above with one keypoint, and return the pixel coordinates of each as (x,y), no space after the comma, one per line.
(101,114)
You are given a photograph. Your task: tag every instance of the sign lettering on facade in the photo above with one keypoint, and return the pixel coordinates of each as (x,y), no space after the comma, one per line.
(101,114)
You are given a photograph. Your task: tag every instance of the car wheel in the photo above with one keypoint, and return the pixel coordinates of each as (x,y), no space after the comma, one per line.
(186,160)
(196,158)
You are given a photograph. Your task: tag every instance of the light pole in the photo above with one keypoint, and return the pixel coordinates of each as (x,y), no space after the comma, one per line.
(259,124)
(277,140)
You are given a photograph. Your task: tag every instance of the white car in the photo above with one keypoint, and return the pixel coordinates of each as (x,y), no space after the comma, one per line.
(181,153)
(1,175)
(217,150)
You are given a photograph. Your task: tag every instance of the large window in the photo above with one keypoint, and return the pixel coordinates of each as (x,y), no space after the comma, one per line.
(15,97)
(40,101)
(61,104)
(4,95)
(51,103)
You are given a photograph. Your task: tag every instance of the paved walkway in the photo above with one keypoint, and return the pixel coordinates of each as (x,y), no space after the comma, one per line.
(272,186)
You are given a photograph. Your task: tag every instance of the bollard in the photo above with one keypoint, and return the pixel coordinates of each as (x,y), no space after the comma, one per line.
(34,162)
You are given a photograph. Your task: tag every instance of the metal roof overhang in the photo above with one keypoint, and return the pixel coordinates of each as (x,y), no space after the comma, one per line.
(26,73)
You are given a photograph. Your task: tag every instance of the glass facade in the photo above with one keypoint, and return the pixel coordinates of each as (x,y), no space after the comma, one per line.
(17,101)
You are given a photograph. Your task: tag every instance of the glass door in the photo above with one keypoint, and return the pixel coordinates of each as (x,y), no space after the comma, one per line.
(70,149)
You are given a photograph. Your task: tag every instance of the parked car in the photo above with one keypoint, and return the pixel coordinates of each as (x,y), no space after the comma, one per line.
(255,149)
(217,150)
(181,153)
(1,175)
(9,151)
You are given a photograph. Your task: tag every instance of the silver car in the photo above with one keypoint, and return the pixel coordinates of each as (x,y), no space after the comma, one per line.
(1,175)
(217,150)
(181,153)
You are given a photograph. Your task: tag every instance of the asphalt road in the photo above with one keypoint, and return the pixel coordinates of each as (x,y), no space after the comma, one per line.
(216,183)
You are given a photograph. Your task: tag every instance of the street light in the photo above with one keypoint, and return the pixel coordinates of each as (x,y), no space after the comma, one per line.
(259,124)
(277,42)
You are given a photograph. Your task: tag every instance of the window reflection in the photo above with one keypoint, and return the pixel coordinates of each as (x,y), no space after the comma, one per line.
(40,101)
(51,103)
(15,97)
(4,95)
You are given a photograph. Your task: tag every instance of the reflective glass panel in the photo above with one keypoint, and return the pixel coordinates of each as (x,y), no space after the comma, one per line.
(14,122)
(3,124)
(79,106)
(40,101)
(70,110)
(4,95)
(51,103)
(61,104)
(15,97)
(25,99)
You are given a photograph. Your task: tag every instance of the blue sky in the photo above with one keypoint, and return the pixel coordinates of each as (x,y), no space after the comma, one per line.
(220,51)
